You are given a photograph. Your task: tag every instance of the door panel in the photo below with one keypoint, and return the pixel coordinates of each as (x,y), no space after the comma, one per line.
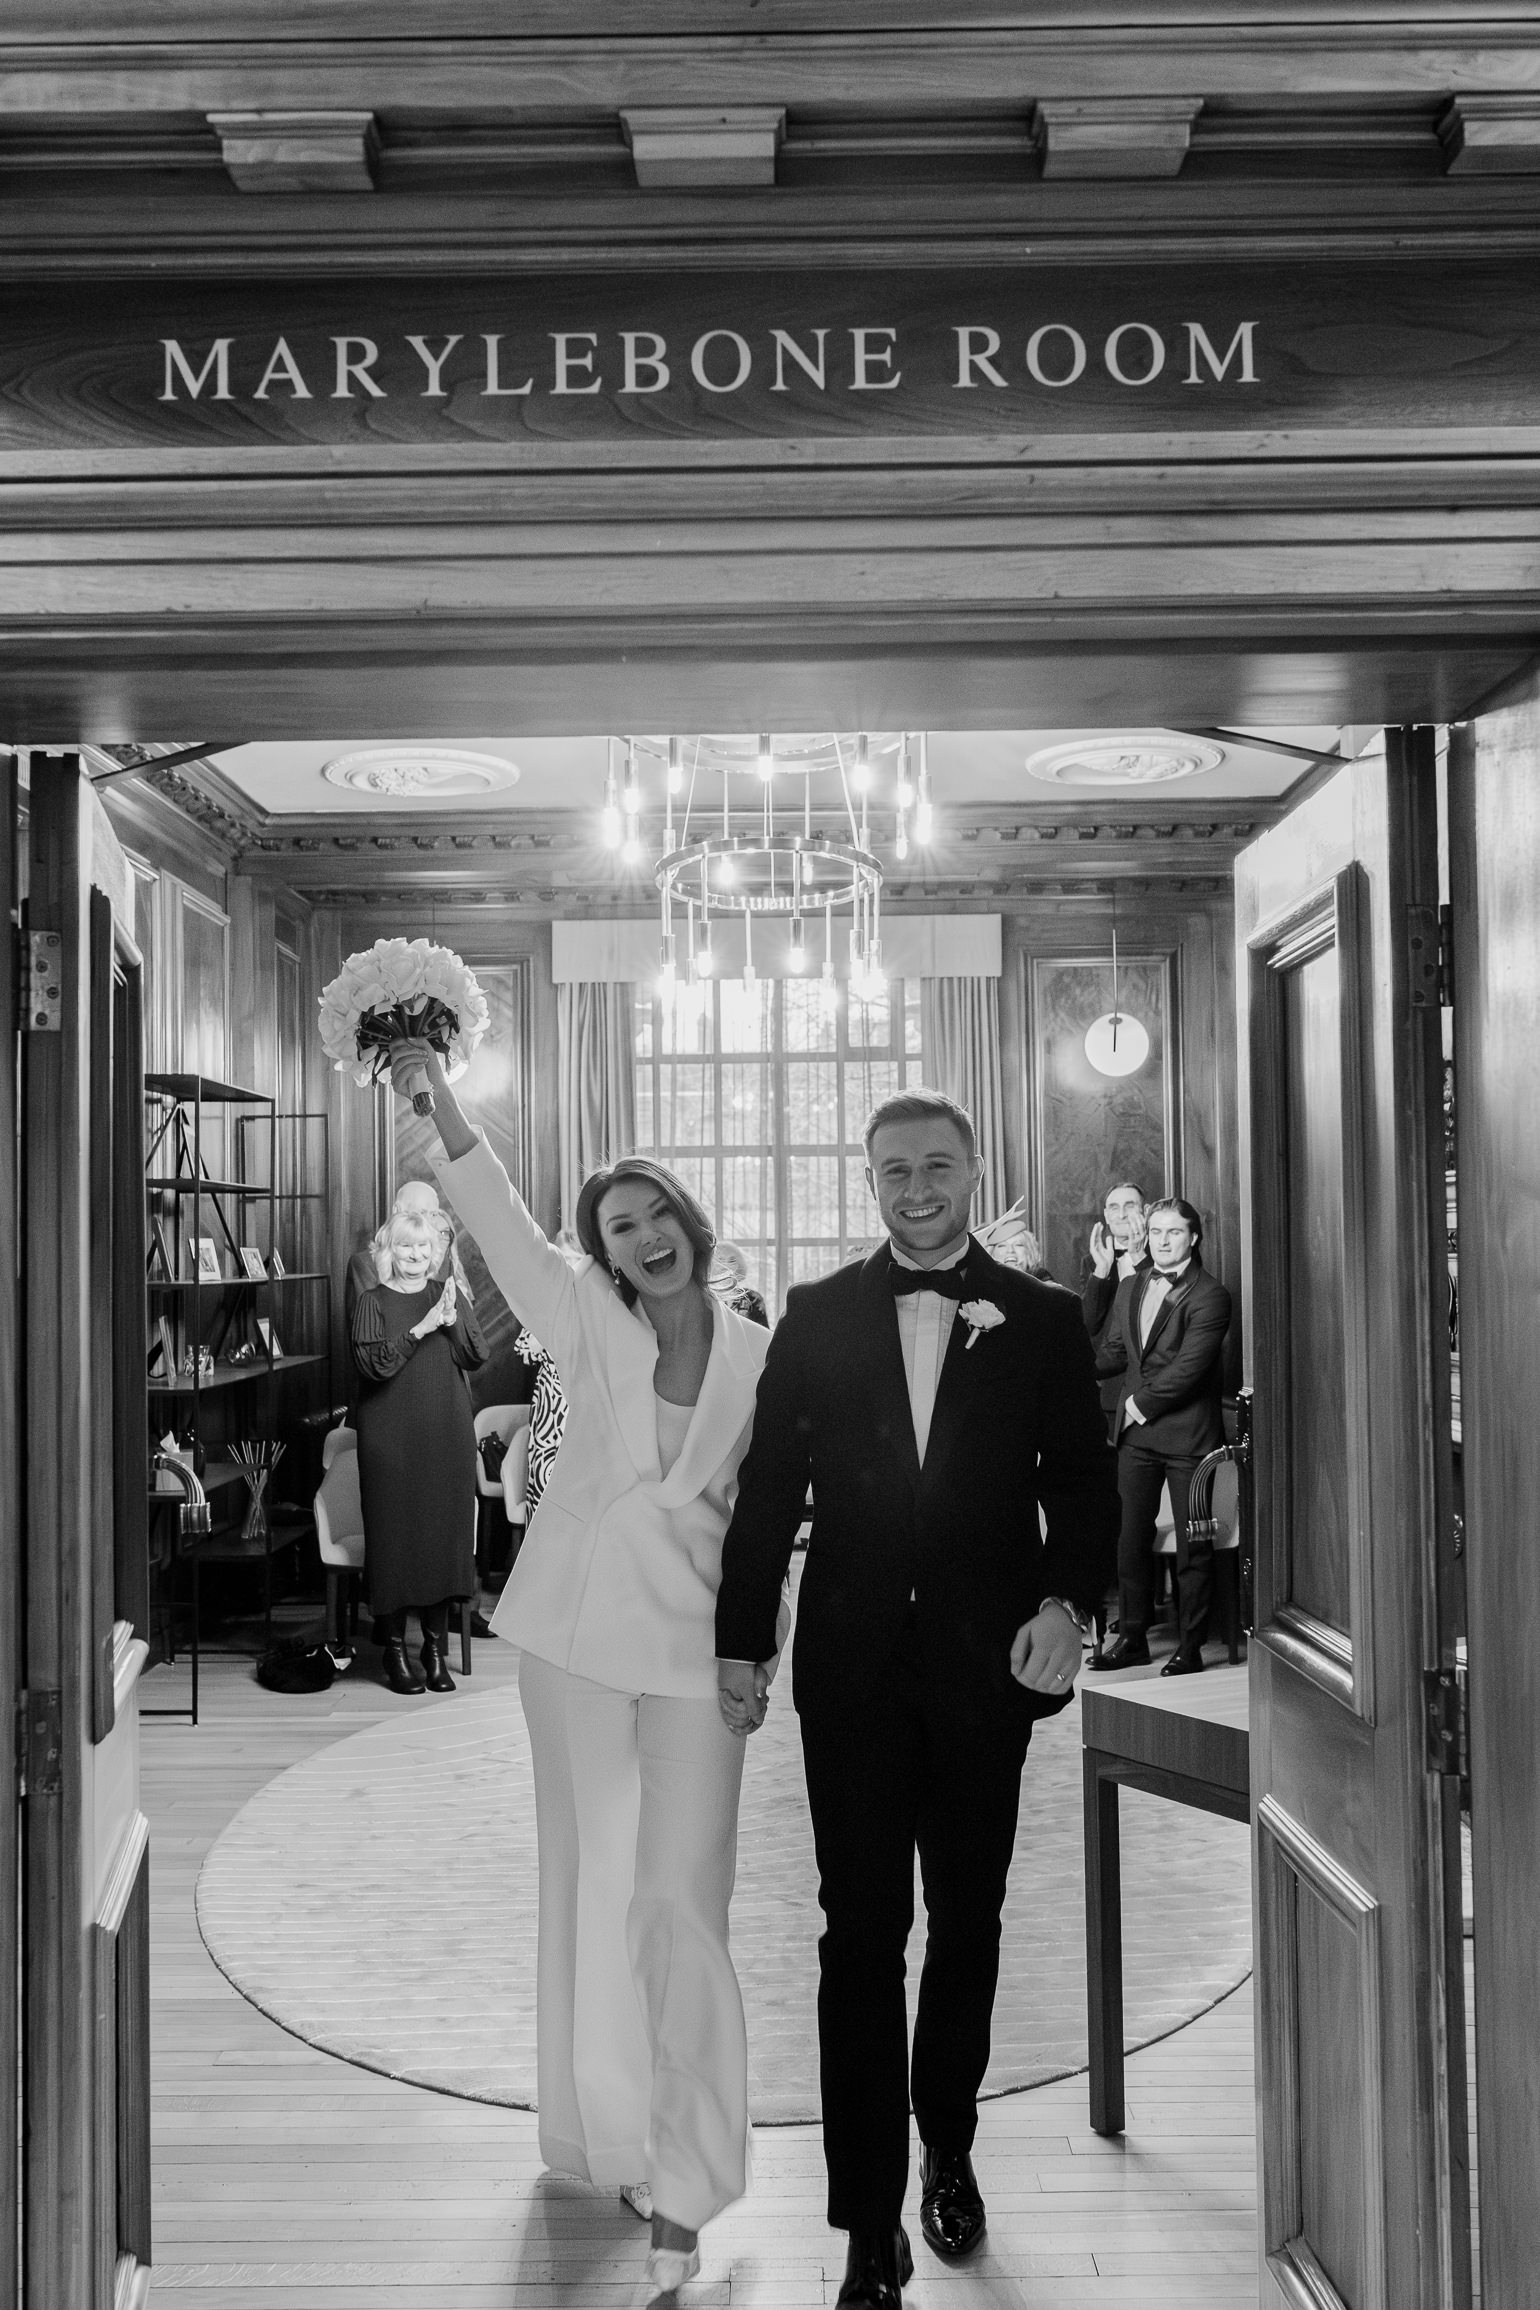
(1494,825)
(1359,2102)
(10,1537)
(86,1953)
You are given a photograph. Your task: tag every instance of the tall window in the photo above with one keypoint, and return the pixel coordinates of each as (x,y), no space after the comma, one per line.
(756,1097)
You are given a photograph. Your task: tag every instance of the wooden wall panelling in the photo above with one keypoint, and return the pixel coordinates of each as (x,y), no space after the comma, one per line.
(12,1666)
(1494,813)
(253,1026)
(1195,934)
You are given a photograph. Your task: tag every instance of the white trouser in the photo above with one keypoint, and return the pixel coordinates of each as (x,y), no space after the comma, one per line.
(642,2052)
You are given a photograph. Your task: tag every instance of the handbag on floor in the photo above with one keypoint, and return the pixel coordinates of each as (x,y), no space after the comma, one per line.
(296,1665)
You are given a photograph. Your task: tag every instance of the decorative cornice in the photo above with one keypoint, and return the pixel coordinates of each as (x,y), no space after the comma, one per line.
(552,859)
(1492,135)
(1114,136)
(700,144)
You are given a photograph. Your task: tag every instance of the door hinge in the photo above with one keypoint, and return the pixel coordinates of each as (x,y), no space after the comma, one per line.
(1446,956)
(1429,957)
(39,1744)
(42,982)
(1446,1720)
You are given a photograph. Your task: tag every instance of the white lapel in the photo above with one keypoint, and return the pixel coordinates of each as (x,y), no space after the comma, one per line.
(631,1356)
(722,1409)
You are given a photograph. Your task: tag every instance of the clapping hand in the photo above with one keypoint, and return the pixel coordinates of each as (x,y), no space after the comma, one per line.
(1103,1250)
(1138,1235)
(440,1315)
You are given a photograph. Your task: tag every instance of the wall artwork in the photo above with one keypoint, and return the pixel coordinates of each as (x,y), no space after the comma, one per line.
(1089,1131)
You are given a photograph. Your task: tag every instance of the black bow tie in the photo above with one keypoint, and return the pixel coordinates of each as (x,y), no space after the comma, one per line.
(947,1280)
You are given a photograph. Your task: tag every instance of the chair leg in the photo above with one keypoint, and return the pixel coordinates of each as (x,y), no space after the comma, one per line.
(467,1606)
(1229,1581)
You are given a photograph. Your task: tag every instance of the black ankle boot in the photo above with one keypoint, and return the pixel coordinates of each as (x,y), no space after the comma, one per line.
(399,1672)
(434,1667)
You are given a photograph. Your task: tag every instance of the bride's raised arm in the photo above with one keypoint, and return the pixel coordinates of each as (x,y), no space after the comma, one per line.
(525,1265)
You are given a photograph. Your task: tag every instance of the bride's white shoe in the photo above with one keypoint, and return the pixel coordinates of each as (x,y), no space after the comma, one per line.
(638,2196)
(668,2270)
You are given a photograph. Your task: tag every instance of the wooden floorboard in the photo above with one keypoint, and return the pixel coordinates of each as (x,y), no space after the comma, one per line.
(288,2180)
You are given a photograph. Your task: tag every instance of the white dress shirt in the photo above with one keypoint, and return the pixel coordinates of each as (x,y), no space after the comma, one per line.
(925,1320)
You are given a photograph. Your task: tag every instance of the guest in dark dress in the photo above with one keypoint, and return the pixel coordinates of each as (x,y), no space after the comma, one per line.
(413,1340)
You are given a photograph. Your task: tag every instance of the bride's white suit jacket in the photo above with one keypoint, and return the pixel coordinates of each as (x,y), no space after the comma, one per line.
(618,1574)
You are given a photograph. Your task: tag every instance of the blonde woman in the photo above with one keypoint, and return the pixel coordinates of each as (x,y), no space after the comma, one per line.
(642,2058)
(414,1339)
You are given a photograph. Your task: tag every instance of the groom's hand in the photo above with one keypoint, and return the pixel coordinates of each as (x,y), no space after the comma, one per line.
(743,1695)
(1046,1652)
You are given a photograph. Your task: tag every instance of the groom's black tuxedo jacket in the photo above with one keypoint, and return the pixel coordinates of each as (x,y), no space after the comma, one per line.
(1017,1420)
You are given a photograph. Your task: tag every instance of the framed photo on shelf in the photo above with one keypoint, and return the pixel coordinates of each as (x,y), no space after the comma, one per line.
(205,1253)
(162,1352)
(252,1261)
(275,1266)
(269,1338)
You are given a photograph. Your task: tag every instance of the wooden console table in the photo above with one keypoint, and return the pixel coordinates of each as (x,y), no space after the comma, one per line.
(1185,1738)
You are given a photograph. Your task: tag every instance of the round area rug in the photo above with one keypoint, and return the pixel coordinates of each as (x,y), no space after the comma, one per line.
(378,1901)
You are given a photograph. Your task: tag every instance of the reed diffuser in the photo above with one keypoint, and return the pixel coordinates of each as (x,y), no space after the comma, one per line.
(257,1464)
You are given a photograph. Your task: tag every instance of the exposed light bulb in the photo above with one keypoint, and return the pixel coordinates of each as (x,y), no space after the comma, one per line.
(704,960)
(861,776)
(766,762)
(901,844)
(796,953)
(675,768)
(903,792)
(727,873)
(631,800)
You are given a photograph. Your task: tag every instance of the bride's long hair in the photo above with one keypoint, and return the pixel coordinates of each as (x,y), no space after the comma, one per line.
(690,1214)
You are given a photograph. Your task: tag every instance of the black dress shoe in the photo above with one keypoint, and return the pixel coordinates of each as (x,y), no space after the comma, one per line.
(399,1672)
(480,1625)
(434,1667)
(951,2206)
(1124,1652)
(878,2266)
(1184,1664)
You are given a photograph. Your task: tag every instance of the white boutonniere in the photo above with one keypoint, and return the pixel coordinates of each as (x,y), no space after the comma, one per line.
(979,1315)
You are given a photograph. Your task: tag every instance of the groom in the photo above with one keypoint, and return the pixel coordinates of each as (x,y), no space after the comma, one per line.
(932,1399)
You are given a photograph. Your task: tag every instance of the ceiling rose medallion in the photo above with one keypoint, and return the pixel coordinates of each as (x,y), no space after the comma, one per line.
(421,773)
(1124,758)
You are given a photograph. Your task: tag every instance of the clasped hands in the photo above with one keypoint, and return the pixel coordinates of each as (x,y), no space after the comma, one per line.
(440,1315)
(1044,1658)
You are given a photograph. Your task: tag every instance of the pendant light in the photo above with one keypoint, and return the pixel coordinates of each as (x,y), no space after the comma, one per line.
(1116,1043)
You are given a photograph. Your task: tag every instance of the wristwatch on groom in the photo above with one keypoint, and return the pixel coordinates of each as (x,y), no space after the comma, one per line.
(1081,1619)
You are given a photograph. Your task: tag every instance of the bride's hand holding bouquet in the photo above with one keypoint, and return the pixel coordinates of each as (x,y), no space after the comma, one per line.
(414,1062)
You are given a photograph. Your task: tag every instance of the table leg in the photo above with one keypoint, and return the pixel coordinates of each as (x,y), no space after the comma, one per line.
(1104,1944)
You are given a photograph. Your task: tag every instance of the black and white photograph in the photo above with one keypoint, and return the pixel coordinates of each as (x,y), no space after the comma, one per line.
(769,1200)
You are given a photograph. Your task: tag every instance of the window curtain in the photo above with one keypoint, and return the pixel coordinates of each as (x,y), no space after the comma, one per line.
(960,1039)
(596,1056)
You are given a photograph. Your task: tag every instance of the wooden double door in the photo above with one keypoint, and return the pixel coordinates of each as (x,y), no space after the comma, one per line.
(74,1862)
(1373,1591)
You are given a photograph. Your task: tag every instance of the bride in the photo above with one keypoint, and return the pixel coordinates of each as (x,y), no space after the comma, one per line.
(642,2054)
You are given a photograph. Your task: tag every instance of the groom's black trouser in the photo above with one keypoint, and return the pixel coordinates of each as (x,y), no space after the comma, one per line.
(894,1766)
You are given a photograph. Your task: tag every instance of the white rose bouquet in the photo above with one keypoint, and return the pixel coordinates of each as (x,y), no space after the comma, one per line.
(401,988)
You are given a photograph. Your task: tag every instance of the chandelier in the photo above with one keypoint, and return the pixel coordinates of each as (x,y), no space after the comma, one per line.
(754,855)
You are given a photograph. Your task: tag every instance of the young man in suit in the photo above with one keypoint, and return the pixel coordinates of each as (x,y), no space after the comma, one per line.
(1164,1343)
(1118,1250)
(932,1398)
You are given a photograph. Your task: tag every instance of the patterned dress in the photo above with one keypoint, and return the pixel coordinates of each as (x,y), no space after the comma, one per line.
(547,1418)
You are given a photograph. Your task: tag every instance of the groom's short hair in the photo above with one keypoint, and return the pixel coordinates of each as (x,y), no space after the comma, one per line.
(920,1107)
